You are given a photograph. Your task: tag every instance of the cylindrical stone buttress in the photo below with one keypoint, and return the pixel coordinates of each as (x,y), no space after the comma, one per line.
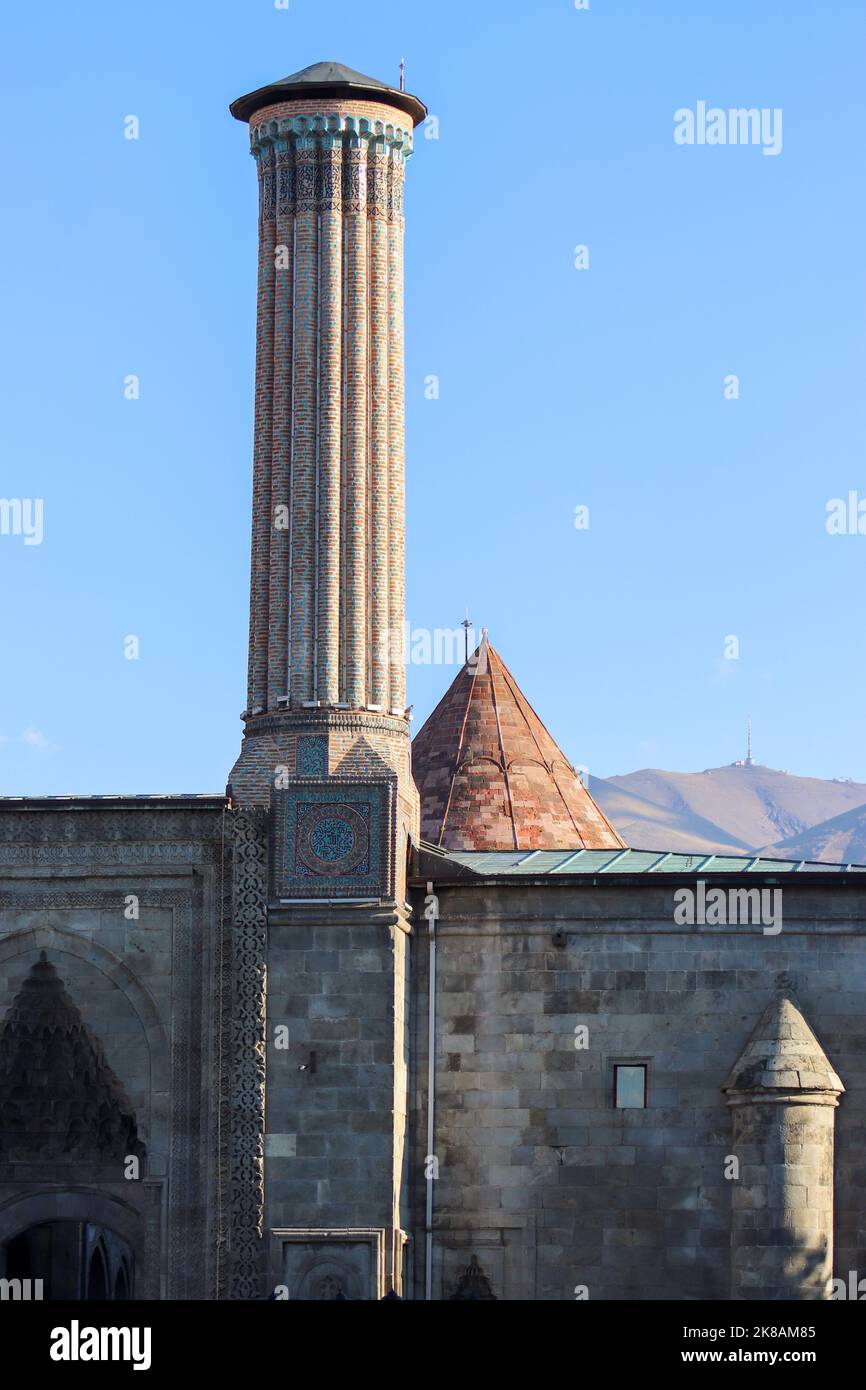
(782,1203)
(783,1094)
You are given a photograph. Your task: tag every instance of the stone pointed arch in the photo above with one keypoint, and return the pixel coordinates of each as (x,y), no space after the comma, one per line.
(75,1202)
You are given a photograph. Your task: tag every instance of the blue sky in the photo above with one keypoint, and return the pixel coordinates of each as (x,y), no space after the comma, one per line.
(558,387)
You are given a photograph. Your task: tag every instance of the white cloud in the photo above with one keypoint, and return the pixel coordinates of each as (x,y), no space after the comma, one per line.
(34,738)
(30,738)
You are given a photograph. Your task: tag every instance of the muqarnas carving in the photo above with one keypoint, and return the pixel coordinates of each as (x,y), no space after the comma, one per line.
(59,1098)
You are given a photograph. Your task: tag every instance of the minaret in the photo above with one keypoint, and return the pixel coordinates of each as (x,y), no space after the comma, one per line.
(320,913)
(327,607)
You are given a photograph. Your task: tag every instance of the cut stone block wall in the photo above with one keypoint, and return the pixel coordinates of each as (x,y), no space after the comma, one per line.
(125,899)
(553,1188)
(336,1095)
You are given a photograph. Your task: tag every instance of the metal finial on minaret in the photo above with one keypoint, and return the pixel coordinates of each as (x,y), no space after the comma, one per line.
(402,74)
(467,628)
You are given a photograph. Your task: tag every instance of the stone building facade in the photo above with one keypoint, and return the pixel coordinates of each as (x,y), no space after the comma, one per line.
(556,1190)
(121,901)
(321,1037)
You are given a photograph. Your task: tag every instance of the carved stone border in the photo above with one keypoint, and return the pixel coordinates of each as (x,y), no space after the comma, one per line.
(223,1004)
(131,855)
(249,951)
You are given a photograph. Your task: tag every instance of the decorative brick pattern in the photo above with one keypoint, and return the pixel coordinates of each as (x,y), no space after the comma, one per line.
(327,584)
(359,744)
(264,402)
(279,550)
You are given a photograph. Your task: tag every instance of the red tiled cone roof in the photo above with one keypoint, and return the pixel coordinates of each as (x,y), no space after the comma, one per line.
(490,775)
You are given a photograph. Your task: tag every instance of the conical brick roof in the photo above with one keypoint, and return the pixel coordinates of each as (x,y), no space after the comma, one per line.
(59,1098)
(492,778)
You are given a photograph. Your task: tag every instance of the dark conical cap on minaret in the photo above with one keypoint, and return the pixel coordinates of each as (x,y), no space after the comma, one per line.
(490,775)
(783,1054)
(330,81)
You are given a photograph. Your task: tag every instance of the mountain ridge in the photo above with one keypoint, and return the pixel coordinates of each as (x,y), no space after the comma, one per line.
(743,808)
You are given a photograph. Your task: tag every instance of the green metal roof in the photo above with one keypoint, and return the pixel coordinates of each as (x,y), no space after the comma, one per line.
(633,861)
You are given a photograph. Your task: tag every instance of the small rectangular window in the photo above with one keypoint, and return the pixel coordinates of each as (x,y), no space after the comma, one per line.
(629,1087)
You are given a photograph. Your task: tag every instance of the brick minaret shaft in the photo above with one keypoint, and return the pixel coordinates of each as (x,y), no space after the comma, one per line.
(322,917)
(327,587)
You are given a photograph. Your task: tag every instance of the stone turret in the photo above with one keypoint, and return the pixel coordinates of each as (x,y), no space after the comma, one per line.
(783,1094)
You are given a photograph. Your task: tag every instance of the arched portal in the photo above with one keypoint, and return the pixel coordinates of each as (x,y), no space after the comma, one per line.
(97,1276)
(70,1260)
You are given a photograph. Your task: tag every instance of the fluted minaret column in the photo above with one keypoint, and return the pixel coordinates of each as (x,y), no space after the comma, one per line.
(356,338)
(263,446)
(380,642)
(396,437)
(305,424)
(330,455)
(327,607)
(281,419)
